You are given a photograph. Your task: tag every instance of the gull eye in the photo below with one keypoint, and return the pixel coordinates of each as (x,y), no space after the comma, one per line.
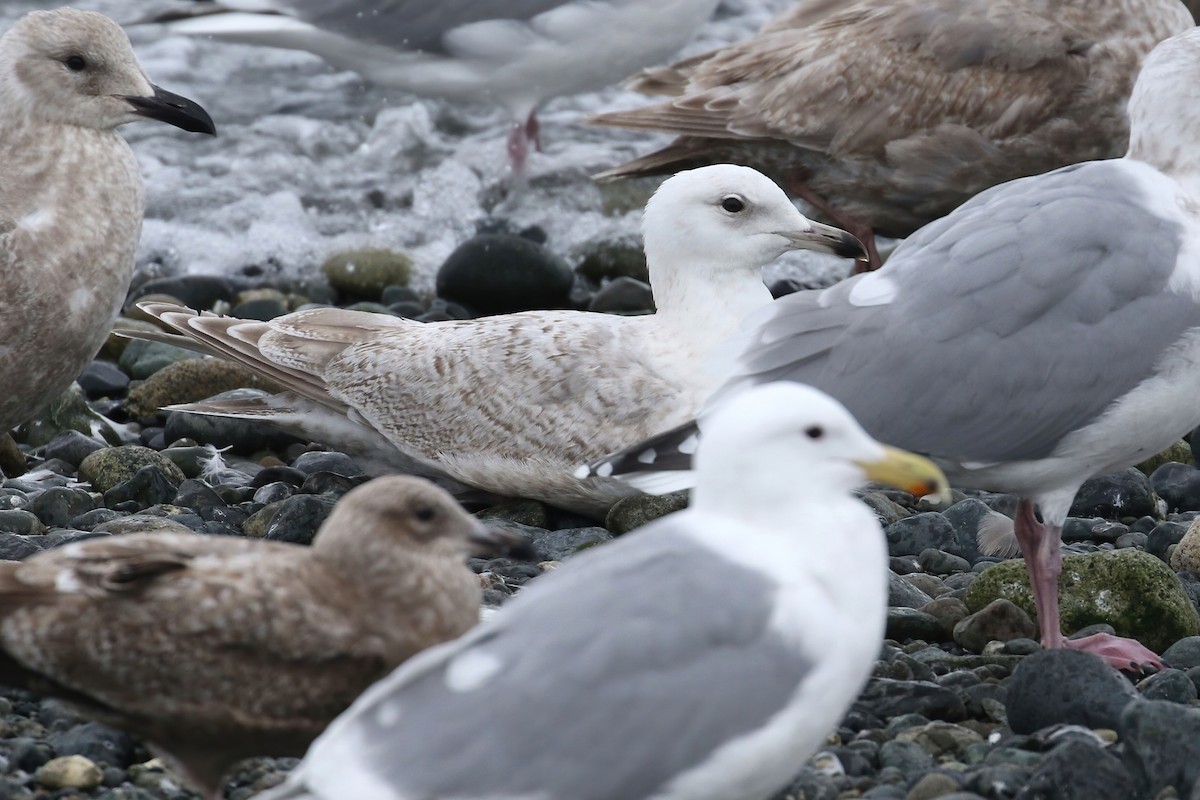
(814,432)
(425,513)
(76,63)
(733,204)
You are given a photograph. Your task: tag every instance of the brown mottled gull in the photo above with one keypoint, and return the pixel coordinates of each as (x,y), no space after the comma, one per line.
(70,195)
(216,648)
(517,54)
(887,114)
(511,404)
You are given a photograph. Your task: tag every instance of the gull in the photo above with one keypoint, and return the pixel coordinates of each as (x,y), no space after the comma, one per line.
(703,657)
(218,648)
(515,54)
(511,404)
(1045,332)
(70,195)
(885,115)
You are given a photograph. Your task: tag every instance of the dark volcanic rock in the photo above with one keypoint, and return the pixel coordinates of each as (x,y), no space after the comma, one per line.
(1053,687)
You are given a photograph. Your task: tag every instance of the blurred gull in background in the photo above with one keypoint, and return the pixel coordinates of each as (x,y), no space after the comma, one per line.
(517,54)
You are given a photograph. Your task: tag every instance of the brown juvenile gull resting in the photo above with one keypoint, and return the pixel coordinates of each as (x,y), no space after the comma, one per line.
(512,404)
(887,114)
(704,657)
(218,648)
(1044,332)
(517,54)
(70,195)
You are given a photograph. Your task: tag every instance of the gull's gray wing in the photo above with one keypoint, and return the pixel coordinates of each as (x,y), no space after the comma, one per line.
(620,663)
(413,24)
(996,331)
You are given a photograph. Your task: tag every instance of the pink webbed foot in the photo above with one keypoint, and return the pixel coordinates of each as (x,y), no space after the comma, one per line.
(1127,655)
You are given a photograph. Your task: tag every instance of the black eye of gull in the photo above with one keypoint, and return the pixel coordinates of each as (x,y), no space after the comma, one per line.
(814,431)
(425,513)
(733,204)
(76,63)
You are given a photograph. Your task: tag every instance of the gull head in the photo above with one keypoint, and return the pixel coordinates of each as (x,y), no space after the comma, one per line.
(732,216)
(77,68)
(1164,107)
(401,511)
(798,441)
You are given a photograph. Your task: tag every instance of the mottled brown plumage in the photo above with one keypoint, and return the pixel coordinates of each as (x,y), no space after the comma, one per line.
(70,195)
(887,114)
(216,648)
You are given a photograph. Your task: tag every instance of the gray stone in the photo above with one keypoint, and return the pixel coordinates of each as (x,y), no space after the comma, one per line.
(104,469)
(1172,685)
(939,562)
(1184,654)
(948,611)
(141,358)
(633,512)
(298,518)
(623,295)
(560,545)
(19,521)
(888,698)
(56,506)
(904,624)
(499,273)
(902,594)
(908,757)
(999,620)
(1160,746)
(72,447)
(1061,686)
(1121,495)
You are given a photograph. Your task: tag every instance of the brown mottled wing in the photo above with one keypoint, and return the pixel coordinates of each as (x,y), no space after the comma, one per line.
(929,64)
(238,631)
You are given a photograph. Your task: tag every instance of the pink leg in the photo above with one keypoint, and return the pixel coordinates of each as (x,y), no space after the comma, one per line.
(518,147)
(1043,559)
(533,131)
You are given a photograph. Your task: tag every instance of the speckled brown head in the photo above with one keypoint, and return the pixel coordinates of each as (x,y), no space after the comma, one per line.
(410,513)
(77,68)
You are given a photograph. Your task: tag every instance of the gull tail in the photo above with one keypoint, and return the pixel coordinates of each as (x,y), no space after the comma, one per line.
(659,465)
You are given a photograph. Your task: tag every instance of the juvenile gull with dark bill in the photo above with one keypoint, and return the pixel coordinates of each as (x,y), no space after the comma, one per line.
(702,658)
(512,404)
(217,648)
(887,114)
(517,54)
(70,195)
(1045,332)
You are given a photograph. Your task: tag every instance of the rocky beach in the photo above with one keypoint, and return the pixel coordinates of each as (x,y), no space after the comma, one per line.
(322,190)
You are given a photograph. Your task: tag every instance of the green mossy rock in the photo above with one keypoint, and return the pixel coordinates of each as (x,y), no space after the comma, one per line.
(364,273)
(189,381)
(104,469)
(634,512)
(1129,589)
(1181,452)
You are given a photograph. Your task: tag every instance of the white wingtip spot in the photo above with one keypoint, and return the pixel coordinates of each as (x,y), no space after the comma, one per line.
(471,670)
(648,456)
(605,470)
(688,446)
(582,472)
(67,582)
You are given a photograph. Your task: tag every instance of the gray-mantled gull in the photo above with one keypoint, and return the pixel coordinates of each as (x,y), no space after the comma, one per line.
(1044,332)
(517,54)
(512,404)
(217,648)
(703,658)
(887,114)
(70,195)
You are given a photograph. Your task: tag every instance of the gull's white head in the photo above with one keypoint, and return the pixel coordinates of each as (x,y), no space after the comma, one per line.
(1164,108)
(733,217)
(792,440)
(77,68)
